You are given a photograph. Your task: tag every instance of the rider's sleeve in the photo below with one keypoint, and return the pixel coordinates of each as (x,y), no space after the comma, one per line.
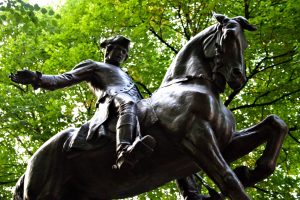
(81,72)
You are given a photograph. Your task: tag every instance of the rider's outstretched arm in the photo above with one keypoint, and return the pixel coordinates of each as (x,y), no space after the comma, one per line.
(82,72)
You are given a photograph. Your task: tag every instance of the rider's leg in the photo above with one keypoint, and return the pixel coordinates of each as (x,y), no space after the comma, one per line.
(129,154)
(126,124)
(200,143)
(271,130)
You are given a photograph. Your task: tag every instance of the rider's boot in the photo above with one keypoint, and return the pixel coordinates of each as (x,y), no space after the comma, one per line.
(129,154)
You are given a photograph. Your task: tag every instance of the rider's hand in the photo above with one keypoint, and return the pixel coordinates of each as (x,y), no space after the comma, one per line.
(24,77)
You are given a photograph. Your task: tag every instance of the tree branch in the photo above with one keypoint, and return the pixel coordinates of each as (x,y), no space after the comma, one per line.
(256,71)
(185,30)
(262,190)
(274,65)
(246,9)
(162,40)
(273,193)
(258,65)
(266,103)
(8,182)
(23,145)
(262,95)
(293,137)
(21,142)
(18,87)
(144,87)
(233,94)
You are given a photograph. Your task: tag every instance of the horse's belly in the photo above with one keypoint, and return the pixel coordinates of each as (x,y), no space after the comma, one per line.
(98,179)
(148,177)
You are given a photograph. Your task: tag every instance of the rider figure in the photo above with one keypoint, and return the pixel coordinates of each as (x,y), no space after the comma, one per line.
(113,88)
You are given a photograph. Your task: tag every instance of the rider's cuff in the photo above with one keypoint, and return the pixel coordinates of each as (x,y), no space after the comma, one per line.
(37,82)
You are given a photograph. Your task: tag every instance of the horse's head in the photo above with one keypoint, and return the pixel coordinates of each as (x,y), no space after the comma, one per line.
(230,44)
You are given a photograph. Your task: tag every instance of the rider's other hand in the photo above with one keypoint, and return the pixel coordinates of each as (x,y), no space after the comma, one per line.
(24,77)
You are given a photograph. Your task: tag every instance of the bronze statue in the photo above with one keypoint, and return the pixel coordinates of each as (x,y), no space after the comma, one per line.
(113,88)
(193,130)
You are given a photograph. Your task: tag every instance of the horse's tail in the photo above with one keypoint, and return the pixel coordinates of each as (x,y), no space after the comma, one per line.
(19,190)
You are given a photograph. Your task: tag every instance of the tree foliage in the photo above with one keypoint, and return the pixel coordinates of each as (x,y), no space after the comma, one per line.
(54,40)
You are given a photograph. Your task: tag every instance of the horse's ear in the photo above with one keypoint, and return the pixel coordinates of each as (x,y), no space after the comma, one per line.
(209,44)
(219,17)
(245,24)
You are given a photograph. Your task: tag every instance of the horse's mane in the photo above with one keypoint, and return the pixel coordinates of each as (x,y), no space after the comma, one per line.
(201,36)
(203,43)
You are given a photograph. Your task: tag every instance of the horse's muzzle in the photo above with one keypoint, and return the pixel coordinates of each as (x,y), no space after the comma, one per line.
(237,80)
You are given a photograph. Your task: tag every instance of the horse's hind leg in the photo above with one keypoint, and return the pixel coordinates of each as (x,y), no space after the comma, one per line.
(188,188)
(272,130)
(201,145)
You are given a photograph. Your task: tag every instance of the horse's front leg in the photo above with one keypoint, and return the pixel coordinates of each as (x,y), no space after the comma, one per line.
(272,131)
(200,142)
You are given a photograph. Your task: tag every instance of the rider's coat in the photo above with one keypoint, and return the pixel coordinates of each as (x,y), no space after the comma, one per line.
(106,82)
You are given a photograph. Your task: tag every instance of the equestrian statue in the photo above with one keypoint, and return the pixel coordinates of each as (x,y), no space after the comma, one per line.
(133,145)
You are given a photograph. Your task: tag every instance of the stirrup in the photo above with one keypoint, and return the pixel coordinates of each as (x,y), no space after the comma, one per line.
(130,155)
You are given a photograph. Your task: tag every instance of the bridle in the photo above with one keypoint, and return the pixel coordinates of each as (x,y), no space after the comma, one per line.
(217,64)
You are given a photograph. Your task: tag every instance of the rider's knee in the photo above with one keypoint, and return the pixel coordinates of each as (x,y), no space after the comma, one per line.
(126,119)
(127,108)
(125,105)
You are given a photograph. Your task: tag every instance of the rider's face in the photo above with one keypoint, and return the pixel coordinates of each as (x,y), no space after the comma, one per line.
(115,54)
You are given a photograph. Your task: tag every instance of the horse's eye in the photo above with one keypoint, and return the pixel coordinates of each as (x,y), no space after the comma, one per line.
(231,25)
(225,21)
(123,51)
(109,47)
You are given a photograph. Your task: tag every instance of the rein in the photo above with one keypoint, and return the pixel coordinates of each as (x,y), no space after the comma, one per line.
(188,78)
(217,64)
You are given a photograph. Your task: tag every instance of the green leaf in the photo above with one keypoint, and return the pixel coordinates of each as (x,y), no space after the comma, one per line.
(44,10)
(3,17)
(36,7)
(51,12)
(53,43)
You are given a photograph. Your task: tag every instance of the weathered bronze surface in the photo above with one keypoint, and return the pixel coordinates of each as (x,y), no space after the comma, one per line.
(192,127)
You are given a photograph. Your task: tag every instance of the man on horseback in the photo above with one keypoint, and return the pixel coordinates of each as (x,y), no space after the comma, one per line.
(194,128)
(113,88)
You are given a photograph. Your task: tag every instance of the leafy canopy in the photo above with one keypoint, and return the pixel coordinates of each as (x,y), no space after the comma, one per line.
(53,41)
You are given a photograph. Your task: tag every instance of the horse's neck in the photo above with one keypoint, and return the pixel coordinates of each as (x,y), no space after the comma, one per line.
(187,63)
(190,61)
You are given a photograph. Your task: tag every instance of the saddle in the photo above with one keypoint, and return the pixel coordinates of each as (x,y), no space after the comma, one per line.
(78,139)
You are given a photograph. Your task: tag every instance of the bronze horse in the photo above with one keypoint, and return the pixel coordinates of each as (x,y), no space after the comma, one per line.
(193,129)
